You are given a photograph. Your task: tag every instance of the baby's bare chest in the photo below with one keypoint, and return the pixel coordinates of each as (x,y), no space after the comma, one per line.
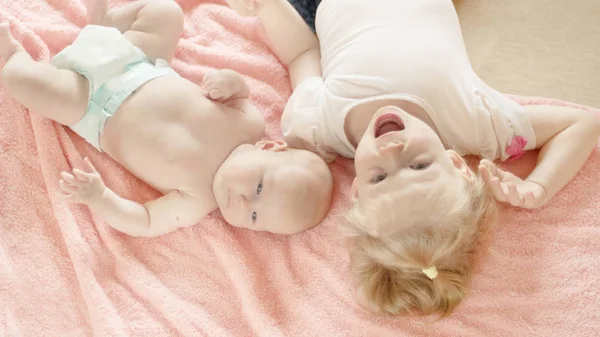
(171,136)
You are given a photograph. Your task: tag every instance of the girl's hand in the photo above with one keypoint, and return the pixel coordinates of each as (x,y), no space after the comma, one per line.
(83,187)
(511,189)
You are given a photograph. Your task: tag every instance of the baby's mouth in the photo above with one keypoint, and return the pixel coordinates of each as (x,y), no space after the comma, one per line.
(387,123)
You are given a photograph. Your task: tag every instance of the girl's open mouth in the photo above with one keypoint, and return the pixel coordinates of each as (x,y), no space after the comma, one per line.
(387,123)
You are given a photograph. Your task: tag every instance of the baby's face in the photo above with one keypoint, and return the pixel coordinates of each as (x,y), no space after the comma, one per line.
(400,153)
(265,188)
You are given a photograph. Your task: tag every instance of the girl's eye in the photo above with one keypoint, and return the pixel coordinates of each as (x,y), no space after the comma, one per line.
(259,188)
(379,178)
(254,216)
(419,167)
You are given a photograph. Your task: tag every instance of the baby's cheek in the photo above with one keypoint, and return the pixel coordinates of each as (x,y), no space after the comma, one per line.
(232,216)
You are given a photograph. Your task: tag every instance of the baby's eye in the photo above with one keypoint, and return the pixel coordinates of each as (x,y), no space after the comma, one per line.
(259,188)
(254,216)
(379,178)
(420,167)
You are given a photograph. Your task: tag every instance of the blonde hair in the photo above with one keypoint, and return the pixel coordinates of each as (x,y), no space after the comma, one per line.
(392,255)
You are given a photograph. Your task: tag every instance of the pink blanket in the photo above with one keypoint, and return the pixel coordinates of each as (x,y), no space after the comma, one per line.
(63,272)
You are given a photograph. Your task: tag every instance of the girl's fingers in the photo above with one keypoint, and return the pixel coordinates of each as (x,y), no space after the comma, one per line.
(497,189)
(484,172)
(513,195)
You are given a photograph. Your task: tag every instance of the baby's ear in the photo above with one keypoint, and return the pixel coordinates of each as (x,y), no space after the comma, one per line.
(271,145)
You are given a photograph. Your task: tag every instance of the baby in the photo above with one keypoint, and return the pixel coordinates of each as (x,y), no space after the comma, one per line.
(113,87)
(389,83)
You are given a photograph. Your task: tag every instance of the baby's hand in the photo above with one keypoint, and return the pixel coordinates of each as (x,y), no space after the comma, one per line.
(83,187)
(245,7)
(223,84)
(511,189)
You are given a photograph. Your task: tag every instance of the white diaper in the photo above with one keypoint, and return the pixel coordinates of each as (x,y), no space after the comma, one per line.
(114,67)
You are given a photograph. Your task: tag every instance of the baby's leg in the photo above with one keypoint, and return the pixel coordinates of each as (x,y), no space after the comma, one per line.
(154,26)
(60,95)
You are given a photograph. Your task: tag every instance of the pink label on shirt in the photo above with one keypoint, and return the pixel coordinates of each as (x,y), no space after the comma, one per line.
(516,148)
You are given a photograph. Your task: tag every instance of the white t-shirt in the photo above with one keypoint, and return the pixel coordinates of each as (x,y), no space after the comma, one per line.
(400,49)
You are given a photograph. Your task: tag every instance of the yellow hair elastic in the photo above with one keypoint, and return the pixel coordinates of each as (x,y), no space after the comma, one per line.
(431,272)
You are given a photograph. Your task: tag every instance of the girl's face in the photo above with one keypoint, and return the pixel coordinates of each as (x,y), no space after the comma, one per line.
(400,153)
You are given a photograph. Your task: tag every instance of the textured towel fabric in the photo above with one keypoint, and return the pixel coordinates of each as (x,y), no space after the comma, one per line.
(63,272)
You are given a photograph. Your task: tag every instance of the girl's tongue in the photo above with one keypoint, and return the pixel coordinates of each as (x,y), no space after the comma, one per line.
(389,127)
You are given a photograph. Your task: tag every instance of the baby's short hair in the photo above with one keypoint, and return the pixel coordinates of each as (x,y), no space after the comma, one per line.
(391,253)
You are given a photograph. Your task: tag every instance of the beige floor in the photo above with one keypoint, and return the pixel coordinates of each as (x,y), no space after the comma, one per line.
(548,48)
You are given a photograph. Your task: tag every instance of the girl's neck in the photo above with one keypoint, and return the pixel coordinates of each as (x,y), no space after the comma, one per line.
(359,117)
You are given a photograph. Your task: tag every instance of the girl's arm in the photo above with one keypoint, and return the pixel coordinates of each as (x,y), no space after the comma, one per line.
(290,37)
(566,137)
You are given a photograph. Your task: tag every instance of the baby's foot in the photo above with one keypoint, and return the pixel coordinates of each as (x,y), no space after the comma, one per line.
(245,7)
(96,9)
(8,44)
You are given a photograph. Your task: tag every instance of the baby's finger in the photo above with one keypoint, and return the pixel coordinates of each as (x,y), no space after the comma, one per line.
(67,196)
(62,193)
(69,178)
(88,165)
(208,77)
(216,93)
(66,187)
(203,90)
(82,176)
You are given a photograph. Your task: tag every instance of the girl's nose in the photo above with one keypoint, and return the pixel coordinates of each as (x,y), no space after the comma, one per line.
(392,148)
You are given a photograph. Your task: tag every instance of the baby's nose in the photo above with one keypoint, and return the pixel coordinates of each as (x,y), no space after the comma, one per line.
(241,199)
(391,148)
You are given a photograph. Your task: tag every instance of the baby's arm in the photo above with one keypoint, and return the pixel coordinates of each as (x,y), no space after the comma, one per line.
(154,218)
(225,85)
(229,87)
(291,39)
(566,137)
